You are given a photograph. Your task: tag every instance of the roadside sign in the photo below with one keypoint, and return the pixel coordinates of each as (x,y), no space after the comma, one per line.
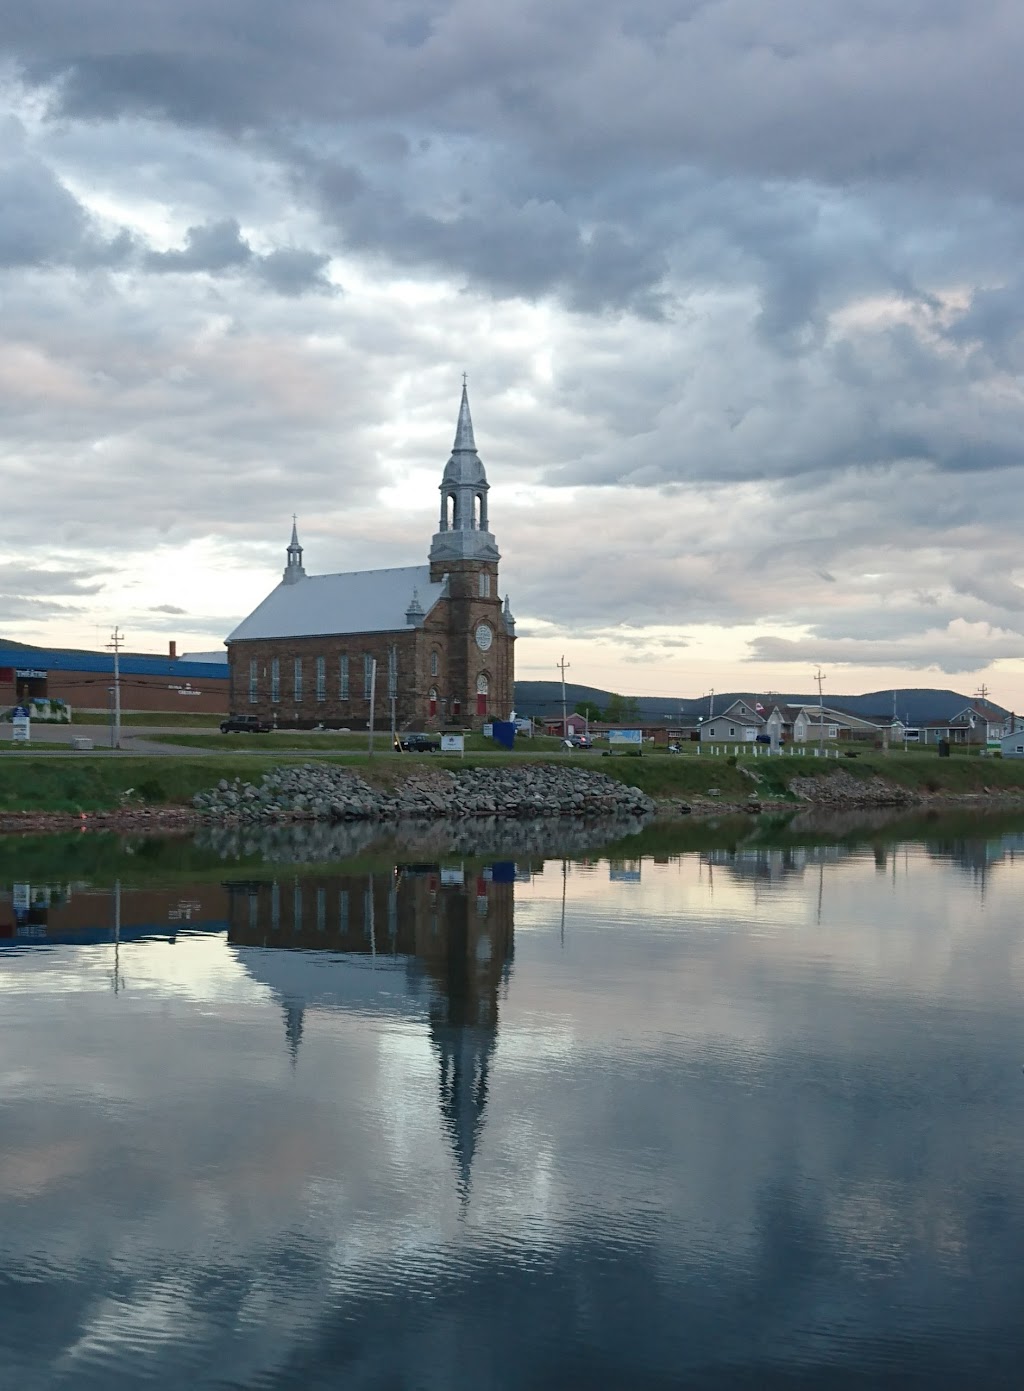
(625,740)
(21,726)
(453,743)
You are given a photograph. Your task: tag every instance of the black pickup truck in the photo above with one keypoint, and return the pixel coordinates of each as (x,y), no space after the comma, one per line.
(416,743)
(244,724)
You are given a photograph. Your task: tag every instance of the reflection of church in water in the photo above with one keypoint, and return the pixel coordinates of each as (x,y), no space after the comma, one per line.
(421,938)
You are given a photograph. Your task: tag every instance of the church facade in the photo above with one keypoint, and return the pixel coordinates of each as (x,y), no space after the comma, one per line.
(430,646)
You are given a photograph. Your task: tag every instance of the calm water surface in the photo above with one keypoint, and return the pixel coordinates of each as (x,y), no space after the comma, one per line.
(738,1118)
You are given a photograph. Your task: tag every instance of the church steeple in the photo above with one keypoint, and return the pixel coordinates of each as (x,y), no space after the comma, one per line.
(293,571)
(463,532)
(464,429)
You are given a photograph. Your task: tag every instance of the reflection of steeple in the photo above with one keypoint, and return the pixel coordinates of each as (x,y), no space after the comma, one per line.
(293,1015)
(465,1064)
(448,949)
(467,965)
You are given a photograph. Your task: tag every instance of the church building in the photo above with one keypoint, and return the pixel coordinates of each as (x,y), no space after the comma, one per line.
(439,634)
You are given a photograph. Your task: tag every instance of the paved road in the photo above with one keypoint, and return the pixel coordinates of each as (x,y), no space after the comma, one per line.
(54,740)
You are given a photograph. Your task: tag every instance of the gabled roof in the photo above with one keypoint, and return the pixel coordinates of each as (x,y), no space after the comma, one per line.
(360,601)
(739,710)
(983,710)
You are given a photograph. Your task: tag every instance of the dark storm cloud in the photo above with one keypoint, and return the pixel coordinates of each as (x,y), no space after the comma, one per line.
(31,580)
(292,271)
(953,652)
(218,248)
(818,91)
(42,224)
(576,112)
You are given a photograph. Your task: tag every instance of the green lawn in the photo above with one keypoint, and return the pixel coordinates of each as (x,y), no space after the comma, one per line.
(31,781)
(186,719)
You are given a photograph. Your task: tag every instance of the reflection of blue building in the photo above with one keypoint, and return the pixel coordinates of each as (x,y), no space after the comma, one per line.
(423,942)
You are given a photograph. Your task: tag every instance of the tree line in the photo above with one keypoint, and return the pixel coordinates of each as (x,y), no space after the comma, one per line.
(619,710)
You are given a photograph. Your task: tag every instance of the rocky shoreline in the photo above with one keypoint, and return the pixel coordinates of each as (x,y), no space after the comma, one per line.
(330,792)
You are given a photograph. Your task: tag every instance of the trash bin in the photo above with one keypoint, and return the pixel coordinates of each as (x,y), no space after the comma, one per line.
(943,748)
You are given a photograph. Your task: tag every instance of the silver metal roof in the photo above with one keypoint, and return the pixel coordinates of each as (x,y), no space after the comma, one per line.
(464,466)
(362,601)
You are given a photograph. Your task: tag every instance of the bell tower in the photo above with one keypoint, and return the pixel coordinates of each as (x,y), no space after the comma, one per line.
(293,571)
(462,532)
(477,680)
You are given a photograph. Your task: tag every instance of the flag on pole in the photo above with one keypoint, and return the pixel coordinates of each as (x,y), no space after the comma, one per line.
(759,707)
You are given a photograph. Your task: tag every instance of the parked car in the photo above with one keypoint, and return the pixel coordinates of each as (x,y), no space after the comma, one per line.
(578,741)
(244,724)
(416,743)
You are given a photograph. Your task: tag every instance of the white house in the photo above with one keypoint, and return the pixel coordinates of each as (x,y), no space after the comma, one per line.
(1012,744)
(741,723)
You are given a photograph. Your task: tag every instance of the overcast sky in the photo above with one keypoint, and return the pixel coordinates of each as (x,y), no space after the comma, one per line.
(737,287)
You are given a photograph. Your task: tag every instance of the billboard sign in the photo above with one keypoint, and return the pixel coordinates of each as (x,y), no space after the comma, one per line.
(625,740)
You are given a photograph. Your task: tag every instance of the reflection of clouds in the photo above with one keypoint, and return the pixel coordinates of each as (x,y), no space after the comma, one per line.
(195,966)
(766,1133)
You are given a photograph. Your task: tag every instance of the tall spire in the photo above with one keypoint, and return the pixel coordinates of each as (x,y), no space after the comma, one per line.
(464,430)
(293,571)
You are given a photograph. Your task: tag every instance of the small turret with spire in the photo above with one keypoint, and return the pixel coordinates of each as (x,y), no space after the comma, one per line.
(414,614)
(293,571)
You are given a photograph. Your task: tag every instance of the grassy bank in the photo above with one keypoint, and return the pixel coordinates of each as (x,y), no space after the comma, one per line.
(29,782)
(154,719)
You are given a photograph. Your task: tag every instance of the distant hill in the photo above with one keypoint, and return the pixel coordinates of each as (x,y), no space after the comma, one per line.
(914,705)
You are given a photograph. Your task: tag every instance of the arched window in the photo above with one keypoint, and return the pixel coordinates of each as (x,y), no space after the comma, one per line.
(434,663)
(482,689)
(485,585)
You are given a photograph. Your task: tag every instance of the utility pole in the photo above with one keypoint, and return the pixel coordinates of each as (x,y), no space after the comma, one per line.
(819,677)
(393,687)
(562,666)
(373,702)
(982,692)
(116,639)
